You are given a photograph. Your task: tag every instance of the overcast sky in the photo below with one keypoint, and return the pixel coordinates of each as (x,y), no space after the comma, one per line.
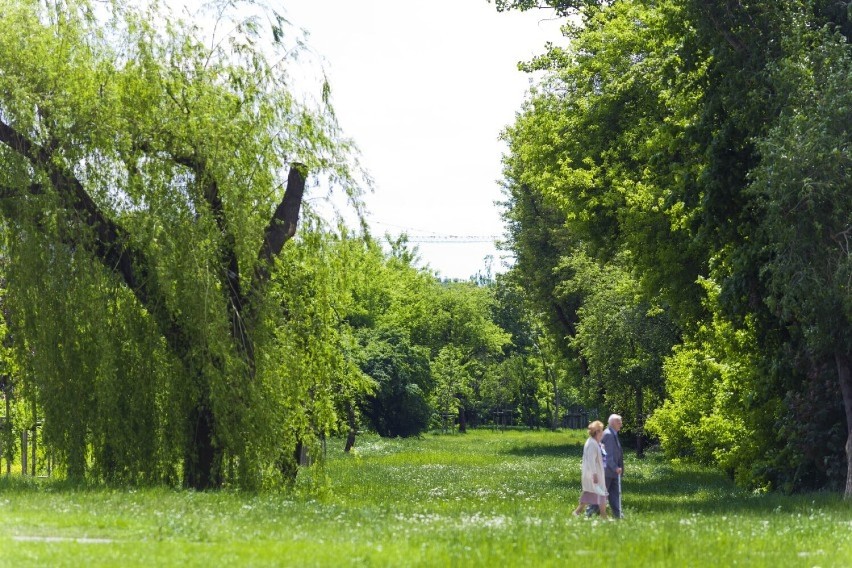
(425,87)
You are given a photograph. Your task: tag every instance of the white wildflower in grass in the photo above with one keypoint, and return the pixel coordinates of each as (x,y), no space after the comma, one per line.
(481,520)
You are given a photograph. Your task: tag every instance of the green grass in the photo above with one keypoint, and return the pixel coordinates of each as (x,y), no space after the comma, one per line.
(481,499)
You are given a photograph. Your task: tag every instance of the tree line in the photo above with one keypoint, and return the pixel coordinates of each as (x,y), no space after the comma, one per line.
(679,198)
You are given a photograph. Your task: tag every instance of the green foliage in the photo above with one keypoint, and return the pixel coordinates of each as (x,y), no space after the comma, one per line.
(602,195)
(804,193)
(144,191)
(624,339)
(614,183)
(382,297)
(97,374)
(527,390)
(804,198)
(678,143)
(460,314)
(400,405)
(719,410)
(452,380)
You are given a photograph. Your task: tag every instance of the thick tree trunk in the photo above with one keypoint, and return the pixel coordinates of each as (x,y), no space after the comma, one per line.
(462,420)
(202,468)
(844,375)
(350,417)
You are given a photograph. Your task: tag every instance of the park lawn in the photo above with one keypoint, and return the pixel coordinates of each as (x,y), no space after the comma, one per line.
(485,498)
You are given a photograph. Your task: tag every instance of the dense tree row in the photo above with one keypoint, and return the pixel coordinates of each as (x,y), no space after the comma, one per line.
(693,158)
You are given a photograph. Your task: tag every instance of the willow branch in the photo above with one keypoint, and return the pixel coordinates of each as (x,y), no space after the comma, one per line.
(111,243)
(281,227)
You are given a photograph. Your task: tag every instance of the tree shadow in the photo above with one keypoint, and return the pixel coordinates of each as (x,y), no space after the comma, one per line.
(545,450)
(692,489)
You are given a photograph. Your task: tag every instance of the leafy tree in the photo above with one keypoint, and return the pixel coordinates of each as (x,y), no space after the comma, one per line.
(713,412)
(661,133)
(532,354)
(803,189)
(145,179)
(387,298)
(557,388)
(511,311)
(624,338)
(452,382)
(579,178)
(460,324)
(594,143)
(526,383)
(400,405)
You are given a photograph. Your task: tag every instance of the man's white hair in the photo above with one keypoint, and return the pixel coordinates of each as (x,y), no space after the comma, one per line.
(613,418)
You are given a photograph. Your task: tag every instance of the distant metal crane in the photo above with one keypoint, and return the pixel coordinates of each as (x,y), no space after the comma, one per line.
(454,239)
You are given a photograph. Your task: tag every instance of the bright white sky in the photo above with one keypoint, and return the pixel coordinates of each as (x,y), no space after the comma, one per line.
(424,87)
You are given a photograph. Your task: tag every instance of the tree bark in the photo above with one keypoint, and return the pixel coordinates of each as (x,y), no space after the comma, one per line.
(203,460)
(350,417)
(462,420)
(844,375)
(282,226)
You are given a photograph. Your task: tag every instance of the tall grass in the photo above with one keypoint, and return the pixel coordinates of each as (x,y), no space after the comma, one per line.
(484,498)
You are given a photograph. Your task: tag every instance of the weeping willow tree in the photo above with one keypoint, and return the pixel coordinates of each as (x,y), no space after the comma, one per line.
(151,175)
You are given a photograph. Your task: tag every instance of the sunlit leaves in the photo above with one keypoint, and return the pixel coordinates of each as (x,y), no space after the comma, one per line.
(143,161)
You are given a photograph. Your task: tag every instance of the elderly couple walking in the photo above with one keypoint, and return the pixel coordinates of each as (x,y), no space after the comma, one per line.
(603,464)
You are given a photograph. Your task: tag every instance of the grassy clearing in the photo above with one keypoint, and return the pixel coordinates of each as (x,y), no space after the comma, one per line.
(485,498)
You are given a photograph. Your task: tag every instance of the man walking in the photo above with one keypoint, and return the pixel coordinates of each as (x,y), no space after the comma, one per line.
(614,466)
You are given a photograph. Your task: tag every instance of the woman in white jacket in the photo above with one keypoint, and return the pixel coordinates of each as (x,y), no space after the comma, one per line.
(594,485)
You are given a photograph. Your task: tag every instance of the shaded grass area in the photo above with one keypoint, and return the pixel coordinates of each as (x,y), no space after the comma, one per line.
(484,498)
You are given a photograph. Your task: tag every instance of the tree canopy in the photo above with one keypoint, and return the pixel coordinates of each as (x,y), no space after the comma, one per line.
(150,181)
(701,148)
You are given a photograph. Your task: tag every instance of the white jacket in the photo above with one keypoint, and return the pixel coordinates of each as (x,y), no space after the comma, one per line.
(593,464)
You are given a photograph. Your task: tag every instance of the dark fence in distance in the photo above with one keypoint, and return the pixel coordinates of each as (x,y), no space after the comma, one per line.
(575,417)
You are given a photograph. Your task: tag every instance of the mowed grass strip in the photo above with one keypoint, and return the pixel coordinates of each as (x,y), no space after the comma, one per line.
(482,498)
